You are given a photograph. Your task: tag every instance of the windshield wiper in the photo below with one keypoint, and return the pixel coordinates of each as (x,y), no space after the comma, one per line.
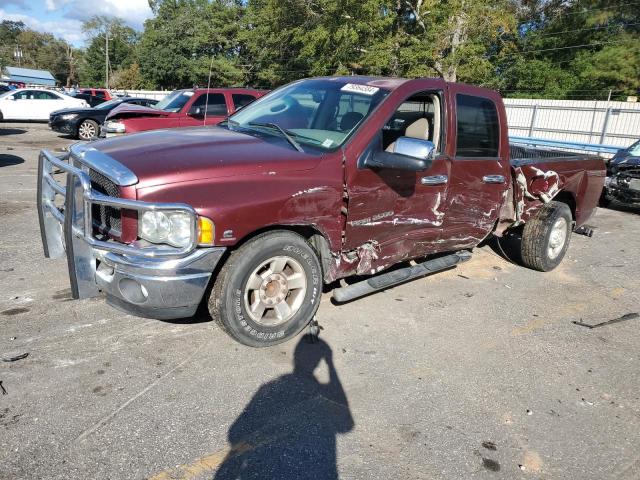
(282,131)
(228,121)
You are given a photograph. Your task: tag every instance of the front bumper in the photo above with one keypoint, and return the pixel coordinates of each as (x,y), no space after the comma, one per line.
(623,189)
(67,127)
(156,282)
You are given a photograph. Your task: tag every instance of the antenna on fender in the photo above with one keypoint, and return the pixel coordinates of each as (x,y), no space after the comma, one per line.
(206,98)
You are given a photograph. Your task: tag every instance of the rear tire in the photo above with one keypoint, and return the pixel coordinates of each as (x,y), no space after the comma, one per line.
(268,290)
(87,130)
(545,238)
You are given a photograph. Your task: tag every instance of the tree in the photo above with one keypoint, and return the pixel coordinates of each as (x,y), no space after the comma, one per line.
(121,49)
(187,40)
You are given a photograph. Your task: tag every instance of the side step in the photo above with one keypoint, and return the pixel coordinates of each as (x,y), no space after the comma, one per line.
(395,277)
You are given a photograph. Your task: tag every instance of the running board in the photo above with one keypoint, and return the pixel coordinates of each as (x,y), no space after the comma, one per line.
(395,277)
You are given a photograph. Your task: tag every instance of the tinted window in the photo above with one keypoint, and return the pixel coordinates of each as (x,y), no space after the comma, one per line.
(240,100)
(42,95)
(478,128)
(216,104)
(100,94)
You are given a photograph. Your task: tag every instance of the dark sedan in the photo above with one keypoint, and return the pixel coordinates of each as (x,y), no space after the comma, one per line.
(84,123)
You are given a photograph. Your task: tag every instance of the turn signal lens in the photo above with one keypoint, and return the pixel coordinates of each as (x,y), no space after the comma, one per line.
(206,231)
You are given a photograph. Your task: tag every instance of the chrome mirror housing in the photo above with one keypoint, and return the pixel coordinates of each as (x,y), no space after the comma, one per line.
(415,148)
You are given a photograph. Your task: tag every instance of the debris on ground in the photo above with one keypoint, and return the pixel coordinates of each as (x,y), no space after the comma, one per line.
(14,358)
(626,316)
(4,390)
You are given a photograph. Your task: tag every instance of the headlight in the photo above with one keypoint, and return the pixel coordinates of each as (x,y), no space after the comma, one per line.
(174,228)
(114,127)
(69,116)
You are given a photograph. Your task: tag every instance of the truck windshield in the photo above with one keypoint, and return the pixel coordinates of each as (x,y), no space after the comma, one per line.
(322,113)
(174,101)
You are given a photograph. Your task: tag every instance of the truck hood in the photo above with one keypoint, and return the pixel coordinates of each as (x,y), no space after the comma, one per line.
(160,157)
(131,110)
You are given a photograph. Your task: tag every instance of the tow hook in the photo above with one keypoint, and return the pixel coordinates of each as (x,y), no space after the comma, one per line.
(585,230)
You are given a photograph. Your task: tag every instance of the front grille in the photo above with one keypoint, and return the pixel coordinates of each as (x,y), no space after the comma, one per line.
(106,219)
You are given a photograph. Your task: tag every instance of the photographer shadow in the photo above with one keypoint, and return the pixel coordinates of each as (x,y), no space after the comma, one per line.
(289,428)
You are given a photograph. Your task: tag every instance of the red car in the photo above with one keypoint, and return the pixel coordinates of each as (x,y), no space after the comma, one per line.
(93,96)
(319,180)
(181,108)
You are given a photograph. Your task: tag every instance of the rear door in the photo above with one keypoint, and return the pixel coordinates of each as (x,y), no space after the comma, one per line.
(214,104)
(479,167)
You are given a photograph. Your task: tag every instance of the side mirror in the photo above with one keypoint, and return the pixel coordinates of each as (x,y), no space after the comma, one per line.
(196,112)
(11,97)
(415,148)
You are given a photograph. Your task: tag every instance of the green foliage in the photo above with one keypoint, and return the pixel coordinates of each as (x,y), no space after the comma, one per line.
(188,38)
(531,48)
(122,42)
(39,50)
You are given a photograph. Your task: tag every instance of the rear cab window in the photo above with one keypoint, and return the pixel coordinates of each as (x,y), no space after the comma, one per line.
(478,128)
(241,99)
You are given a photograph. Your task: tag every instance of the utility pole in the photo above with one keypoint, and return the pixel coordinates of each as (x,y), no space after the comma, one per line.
(106,55)
(17,54)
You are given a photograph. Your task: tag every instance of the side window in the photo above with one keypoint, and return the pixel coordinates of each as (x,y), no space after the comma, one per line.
(24,95)
(216,104)
(100,95)
(42,95)
(242,99)
(417,117)
(478,130)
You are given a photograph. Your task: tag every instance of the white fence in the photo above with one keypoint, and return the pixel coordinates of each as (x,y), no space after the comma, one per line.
(607,123)
(153,94)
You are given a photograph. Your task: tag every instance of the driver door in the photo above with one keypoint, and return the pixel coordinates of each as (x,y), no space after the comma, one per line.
(401,211)
(215,104)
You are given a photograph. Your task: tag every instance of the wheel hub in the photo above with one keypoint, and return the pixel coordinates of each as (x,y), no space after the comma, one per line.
(273,289)
(274,292)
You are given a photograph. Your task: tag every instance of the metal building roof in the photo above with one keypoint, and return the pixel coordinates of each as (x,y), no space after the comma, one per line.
(29,75)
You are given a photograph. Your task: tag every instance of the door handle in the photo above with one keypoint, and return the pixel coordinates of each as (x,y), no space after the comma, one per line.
(434,180)
(493,179)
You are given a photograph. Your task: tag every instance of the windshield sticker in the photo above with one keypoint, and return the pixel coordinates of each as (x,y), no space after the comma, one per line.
(327,143)
(188,94)
(363,89)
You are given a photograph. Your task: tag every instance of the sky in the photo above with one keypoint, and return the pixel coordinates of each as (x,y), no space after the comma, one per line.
(63,18)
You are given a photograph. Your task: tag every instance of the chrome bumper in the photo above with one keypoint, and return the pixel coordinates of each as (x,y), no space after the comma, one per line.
(158,282)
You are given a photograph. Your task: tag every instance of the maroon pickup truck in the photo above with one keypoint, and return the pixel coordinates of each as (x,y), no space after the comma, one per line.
(181,108)
(319,180)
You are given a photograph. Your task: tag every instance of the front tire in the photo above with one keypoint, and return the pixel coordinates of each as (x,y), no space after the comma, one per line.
(545,238)
(268,290)
(87,130)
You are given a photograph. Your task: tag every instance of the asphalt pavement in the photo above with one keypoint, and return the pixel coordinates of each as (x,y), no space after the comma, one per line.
(478,372)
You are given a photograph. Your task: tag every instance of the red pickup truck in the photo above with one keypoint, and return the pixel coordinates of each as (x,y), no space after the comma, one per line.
(181,108)
(319,180)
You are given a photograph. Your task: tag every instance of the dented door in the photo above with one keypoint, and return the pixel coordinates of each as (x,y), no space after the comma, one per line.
(480,174)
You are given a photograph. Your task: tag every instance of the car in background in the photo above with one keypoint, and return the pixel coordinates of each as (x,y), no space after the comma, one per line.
(35,104)
(623,177)
(181,108)
(84,123)
(93,96)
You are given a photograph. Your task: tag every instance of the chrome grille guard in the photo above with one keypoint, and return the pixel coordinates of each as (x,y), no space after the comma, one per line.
(70,228)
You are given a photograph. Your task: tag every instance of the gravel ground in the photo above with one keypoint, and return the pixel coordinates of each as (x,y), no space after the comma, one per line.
(478,372)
